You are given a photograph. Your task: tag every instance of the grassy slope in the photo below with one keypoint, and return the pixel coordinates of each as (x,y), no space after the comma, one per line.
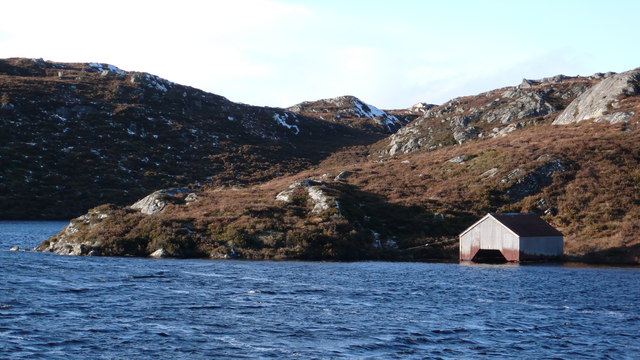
(595,202)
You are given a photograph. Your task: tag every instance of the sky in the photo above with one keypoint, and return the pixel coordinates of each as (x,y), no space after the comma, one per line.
(391,54)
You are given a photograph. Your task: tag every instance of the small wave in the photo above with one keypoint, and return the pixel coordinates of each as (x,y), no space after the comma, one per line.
(99,331)
(81,290)
(450,331)
(66,342)
(371,347)
(203,274)
(205,307)
(414,340)
(37,313)
(159,276)
(308,291)
(268,292)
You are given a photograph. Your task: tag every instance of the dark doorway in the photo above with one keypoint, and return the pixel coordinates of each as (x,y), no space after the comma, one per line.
(489,257)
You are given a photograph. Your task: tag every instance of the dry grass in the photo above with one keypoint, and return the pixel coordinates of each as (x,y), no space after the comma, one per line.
(596,200)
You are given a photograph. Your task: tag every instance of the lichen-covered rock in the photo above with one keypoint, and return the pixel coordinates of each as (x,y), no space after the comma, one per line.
(192,197)
(534,181)
(460,159)
(421,107)
(505,130)
(160,253)
(343,175)
(598,100)
(286,195)
(318,198)
(463,136)
(526,105)
(321,202)
(156,202)
(68,242)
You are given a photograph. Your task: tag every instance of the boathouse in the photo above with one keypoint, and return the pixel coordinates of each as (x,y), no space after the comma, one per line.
(510,237)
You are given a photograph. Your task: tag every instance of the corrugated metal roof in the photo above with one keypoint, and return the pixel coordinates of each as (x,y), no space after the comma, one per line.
(526,225)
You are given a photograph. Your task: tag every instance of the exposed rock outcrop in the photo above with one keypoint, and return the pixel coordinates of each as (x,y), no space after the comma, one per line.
(491,114)
(421,107)
(318,197)
(156,202)
(534,181)
(66,242)
(160,253)
(353,112)
(599,102)
(343,175)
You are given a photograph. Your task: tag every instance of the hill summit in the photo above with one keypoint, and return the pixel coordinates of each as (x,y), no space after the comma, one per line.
(353,112)
(73,136)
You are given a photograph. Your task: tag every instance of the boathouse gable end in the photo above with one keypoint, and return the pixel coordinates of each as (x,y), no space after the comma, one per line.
(516,236)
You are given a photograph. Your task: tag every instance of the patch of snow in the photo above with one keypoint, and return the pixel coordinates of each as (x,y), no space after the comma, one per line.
(366,110)
(369,111)
(158,82)
(281,119)
(102,67)
(95,66)
(376,240)
(115,69)
(131,132)
(161,87)
(59,117)
(67,149)
(231,118)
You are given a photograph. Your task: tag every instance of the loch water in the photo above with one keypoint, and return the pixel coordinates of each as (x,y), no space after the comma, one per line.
(62,307)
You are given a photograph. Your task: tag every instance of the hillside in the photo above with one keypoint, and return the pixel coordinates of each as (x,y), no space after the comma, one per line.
(353,112)
(409,202)
(490,114)
(73,136)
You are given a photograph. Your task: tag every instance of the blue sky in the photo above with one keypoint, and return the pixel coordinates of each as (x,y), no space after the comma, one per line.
(390,54)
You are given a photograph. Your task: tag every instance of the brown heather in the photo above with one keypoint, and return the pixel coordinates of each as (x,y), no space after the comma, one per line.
(596,203)
(73,136)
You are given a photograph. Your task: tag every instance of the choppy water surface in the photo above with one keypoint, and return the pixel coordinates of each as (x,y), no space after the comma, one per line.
(58,307)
